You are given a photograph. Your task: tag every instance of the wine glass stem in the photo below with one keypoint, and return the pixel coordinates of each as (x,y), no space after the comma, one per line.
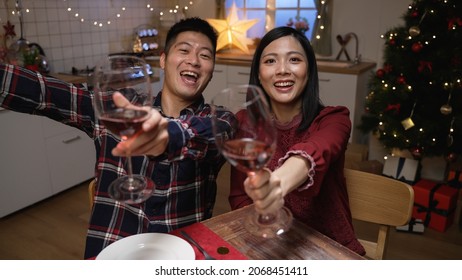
(129,172)
(266,219)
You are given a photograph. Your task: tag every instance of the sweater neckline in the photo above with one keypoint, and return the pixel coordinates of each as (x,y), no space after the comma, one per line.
(295,122)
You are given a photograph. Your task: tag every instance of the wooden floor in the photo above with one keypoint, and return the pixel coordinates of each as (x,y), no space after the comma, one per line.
(55,229)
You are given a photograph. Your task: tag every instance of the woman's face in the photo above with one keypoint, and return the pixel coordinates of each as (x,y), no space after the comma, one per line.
(283,71)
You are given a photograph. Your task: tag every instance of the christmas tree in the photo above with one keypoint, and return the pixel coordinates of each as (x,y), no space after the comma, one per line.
(415,98)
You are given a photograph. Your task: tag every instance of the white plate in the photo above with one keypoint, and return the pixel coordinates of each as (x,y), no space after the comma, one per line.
(148,246)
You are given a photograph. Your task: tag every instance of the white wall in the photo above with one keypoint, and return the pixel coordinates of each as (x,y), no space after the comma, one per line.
(67,42)
(368,19)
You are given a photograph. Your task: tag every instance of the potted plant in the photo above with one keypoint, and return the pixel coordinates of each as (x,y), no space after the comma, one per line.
(30,59)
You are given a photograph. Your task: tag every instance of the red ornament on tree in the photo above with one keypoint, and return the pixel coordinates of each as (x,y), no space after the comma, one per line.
(380,73)
(392,42)
(451,157)
(417,47)
(401,80)
(387,68)
(416,152)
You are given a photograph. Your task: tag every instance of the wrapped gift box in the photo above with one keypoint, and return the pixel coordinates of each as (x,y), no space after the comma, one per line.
(401,168)
(370,166)
(354,154)
(435,204)
(433,168)
(414,226)
(454,180)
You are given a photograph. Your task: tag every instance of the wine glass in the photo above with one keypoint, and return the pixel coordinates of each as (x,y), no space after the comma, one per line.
(124,76)
(249,147)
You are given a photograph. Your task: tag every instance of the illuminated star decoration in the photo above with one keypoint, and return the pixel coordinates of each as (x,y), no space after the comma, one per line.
(232,31)
(9,29)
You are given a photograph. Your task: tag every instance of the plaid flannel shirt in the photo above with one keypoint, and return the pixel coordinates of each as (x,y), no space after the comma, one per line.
(185,175)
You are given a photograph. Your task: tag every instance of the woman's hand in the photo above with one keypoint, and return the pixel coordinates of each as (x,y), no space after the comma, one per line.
(151,141)
(264,188)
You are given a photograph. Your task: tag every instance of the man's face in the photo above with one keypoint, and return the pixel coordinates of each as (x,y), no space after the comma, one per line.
(188,66)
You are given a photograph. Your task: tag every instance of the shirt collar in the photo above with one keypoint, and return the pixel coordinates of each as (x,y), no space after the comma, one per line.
(188,111)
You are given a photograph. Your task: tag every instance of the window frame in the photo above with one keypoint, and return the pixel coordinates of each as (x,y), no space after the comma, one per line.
(270,12)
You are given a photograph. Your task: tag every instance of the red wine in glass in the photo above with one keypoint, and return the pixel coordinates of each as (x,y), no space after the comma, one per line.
(124,122)
(247,154)
(127,76)
(249,146)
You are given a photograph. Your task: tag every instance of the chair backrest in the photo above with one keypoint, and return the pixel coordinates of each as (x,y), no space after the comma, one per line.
(380,200)
(91,191)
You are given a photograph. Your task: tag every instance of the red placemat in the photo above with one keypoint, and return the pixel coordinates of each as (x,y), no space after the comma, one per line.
(211,242)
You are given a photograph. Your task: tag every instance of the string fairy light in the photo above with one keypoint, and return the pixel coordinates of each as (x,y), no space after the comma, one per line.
(120,11)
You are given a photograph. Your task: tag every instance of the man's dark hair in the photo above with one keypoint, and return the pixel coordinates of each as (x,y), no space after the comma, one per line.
(191,24)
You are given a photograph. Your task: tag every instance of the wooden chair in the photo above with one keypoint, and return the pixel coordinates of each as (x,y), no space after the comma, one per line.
(91,191)
(380,200)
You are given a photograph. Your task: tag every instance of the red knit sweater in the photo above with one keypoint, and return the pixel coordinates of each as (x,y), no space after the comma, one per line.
(322,202)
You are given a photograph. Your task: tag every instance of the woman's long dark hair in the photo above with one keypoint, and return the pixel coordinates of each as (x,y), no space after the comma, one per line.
(311,104)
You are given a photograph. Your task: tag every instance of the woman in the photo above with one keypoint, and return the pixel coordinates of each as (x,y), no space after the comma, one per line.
(306,171)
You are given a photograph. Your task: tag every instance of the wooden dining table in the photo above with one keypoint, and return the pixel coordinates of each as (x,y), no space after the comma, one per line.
(301,242)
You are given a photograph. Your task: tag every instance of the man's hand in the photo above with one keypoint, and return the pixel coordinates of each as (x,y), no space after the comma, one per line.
(151,141)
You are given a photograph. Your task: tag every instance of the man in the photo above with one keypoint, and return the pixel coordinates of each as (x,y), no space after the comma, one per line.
(176,150)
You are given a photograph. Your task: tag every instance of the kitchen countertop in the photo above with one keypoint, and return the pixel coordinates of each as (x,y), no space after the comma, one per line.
(75,79)
(330,66)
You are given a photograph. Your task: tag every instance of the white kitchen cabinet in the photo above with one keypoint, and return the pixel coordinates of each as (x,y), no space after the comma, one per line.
(226,76)
(40,158)
(70,157)
(219,81)
(238,75)
(348,90)
(23,167)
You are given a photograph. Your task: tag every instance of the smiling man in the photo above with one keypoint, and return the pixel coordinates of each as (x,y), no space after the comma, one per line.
(181,159)
(176,149)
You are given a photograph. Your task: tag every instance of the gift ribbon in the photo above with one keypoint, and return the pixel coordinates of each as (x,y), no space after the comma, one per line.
(400,166)
(432,207)
(402,179)
(412,222)
(457,181)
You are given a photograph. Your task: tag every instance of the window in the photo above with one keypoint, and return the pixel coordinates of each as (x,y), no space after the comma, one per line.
(276,13)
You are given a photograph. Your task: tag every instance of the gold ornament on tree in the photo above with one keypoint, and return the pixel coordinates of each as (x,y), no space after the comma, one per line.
(407,123)
(414,30)
(446,109)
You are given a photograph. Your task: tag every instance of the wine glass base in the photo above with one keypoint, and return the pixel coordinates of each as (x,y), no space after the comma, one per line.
(132,190)
(278,224)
